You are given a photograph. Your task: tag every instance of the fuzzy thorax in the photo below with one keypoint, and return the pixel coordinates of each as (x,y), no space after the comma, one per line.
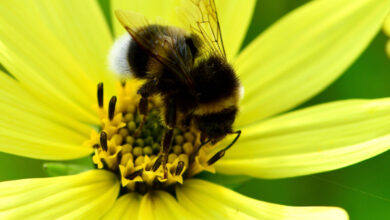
(121,147)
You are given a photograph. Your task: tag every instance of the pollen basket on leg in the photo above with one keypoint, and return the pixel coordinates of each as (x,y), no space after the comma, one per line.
(129,143)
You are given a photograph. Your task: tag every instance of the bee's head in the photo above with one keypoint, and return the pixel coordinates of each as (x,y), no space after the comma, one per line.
(216,126)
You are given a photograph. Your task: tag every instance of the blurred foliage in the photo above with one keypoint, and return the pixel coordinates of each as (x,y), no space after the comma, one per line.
(232,182)
(361,189)
(64,169)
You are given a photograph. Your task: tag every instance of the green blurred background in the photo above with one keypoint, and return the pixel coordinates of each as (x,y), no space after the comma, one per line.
(363,189)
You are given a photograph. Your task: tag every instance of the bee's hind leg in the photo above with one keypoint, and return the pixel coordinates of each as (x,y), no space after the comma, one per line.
(170,121)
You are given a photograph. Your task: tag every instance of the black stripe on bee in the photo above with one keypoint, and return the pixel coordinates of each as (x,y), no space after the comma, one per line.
(138,60)
(217,125)
(215,80)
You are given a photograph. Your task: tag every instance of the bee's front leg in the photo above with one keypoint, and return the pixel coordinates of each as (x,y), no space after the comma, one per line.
(221,153)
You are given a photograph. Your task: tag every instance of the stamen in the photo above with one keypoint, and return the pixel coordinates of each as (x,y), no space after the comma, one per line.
(111,107)
(157,164)
(100,94)
(103,141)
(216,157)
(95,146)
(135,174)
(179,168)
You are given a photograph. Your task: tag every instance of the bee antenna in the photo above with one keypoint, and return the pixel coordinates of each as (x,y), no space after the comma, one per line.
(221,153)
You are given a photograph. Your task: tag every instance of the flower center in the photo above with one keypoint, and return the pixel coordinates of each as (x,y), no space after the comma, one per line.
(128,144)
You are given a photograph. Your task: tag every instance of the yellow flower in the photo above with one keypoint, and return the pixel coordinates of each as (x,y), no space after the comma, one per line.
(56,52)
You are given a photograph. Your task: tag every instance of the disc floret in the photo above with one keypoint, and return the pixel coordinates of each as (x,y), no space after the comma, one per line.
(130,146)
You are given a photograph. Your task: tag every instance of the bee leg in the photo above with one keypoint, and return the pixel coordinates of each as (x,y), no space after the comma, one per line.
(143,110)
(170,121)
(162,159)
(146,90)
(221,153)
(165,150)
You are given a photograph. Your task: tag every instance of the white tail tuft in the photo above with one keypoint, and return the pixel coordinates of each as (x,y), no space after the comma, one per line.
(117,58)
(242,91)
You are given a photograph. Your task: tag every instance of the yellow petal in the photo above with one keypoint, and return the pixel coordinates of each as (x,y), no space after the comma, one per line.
(312,140)
(234,17)
(57,50)
(126,207)
(304,52)
(161,205)
(151,9)
(212,201)
(29,128)
(386,26)
(87,195)
(83,30)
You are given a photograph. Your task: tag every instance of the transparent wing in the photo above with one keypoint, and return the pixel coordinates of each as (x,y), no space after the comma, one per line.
(162,42)
(202,19)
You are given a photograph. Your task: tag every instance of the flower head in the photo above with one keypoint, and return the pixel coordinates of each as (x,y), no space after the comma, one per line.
(56,51)
(134,154)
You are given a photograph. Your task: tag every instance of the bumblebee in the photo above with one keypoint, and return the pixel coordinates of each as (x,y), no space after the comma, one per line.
(187,67)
